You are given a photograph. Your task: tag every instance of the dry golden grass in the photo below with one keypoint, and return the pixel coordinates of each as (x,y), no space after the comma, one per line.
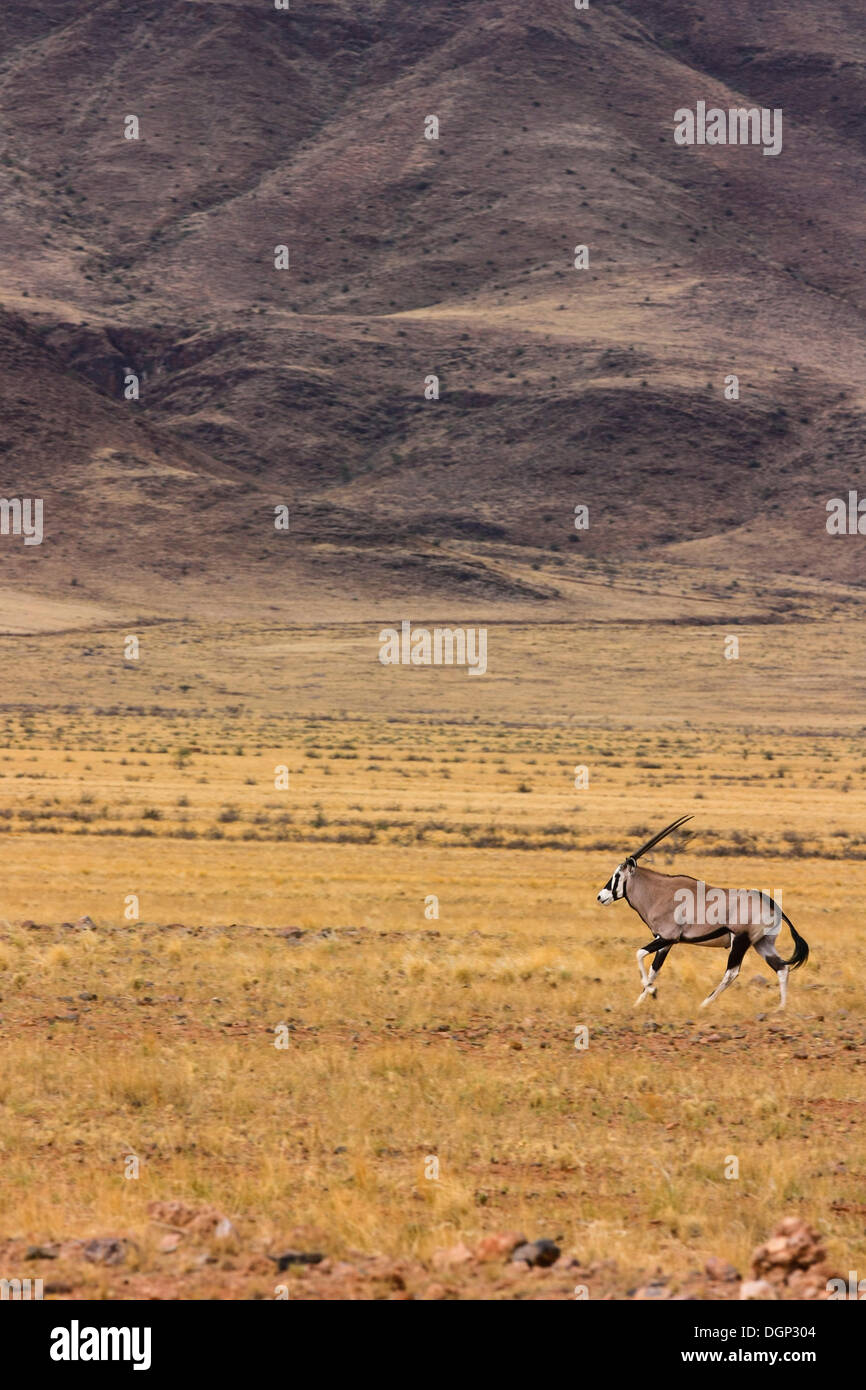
(412,1035)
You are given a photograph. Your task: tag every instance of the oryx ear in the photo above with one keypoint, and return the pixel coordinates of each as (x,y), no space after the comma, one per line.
(631,863)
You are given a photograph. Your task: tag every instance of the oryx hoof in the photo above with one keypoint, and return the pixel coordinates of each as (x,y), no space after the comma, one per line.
(705,1002)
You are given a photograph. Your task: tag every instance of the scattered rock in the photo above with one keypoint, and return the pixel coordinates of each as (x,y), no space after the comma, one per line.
(169,1244)
(433,1292)
(793,1245)
(204,1221)
(457,1255)
(720,1271)
(295,1257)
(498,1247)
(106,1251)
(537,1252)
(811,1283)
(42,1252)
(171,1213)
(793,1261)
(568,1262)
(757,1289)
(85,924)
(657,1288)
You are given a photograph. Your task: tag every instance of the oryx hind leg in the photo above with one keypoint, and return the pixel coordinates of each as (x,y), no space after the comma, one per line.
(766,949)
(739,946)
(659,951)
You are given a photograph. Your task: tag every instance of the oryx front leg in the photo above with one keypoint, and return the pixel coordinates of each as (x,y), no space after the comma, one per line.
(644,951)
(659,951)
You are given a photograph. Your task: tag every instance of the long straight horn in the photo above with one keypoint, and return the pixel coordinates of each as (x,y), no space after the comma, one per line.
(661,835)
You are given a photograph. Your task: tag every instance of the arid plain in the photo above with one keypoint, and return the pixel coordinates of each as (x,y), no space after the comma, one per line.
(410,1036)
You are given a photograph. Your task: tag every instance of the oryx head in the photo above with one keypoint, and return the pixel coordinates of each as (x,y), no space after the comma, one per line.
(614,889)
(616,885)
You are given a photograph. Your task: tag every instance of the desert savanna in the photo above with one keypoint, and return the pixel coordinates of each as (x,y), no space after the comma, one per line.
(322,320)
(412,1032)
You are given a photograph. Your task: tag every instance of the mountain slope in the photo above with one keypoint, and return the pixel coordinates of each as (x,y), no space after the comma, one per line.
(410,258)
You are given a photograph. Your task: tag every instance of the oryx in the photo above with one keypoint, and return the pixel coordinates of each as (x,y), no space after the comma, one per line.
(678,908)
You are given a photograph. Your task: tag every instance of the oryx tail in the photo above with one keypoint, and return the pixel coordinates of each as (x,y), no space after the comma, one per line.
(801,947)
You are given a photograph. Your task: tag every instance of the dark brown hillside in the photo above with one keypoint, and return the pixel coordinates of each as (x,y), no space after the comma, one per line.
(411,257)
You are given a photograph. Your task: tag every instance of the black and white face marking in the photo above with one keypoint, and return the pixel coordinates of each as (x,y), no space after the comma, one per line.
(614,889)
